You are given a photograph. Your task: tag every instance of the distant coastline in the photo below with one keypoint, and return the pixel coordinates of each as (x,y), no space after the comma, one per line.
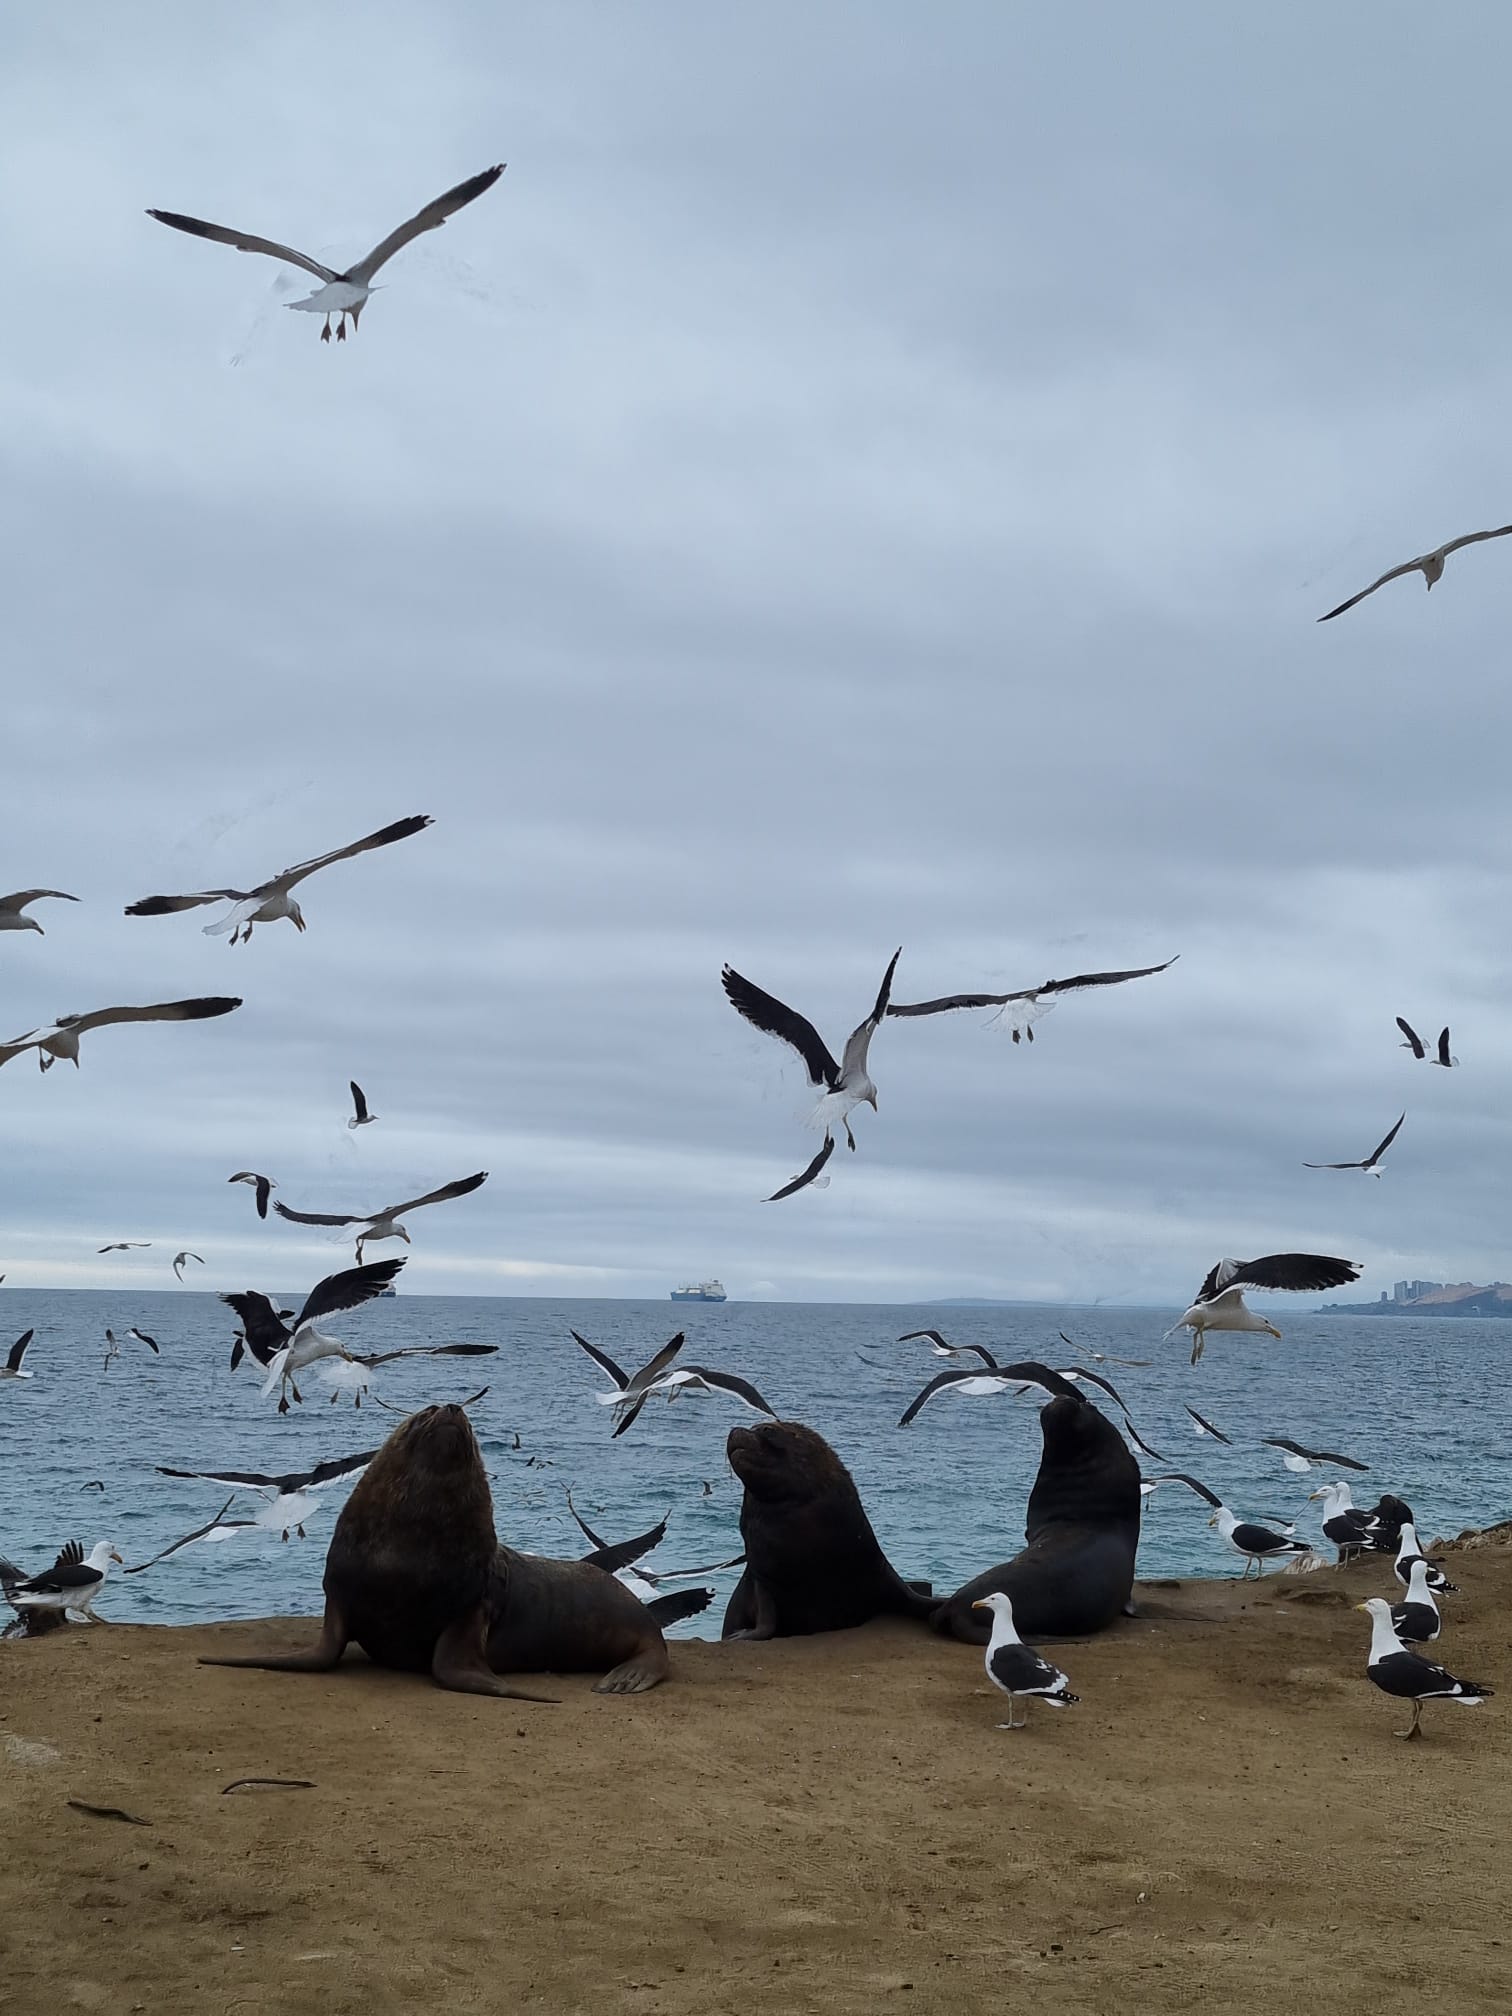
(1459,1298)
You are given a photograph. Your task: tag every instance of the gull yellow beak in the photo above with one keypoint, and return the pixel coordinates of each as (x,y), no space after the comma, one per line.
(1214,1520)
(1362,1606)
(980,1604)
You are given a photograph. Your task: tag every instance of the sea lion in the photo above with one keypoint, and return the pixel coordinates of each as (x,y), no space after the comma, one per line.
(813,1562)
(1076,1574)
(572,1616)
(411,1563)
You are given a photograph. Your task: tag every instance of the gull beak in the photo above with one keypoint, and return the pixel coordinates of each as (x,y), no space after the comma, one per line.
(1313,1494)
(1362,1606)
(117,1557)
(980,1604)
(1214,1520)
(1273,1330)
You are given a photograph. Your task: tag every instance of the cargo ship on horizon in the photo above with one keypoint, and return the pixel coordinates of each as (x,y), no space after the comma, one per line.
(700,1291)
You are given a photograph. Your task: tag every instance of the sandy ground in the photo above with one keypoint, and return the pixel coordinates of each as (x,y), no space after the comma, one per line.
(824,1824)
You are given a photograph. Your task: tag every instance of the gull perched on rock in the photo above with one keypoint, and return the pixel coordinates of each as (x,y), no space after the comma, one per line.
(60,1041)
(342,294)
(274,898)
(11,908)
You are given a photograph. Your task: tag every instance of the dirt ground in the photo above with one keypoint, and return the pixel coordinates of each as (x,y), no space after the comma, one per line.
(828,1824)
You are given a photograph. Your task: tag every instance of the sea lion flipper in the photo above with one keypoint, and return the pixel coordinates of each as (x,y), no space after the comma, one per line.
(764,1622)
(459,1665)
(320,1658)
(646,1670)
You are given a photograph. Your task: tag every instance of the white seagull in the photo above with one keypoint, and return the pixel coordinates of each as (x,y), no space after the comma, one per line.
(288,1499)
(1397,1671)
(1037,1001)
(12,1368)
(384,1224)
(700,1379)
(1372,1163)
(180,1258)
(70,1585)
(846,1084)
(1429,565)
(1220,1301)
(630,1388)
(274,898)
(12,906)
(1016,1668)
(1419,1049)
(261,1184)
(1299,1459)
(345,293)
(122,1245)
(974,1383)
(61,1040)
(113,1344)
(290,1349)
(942,1348)
(360,1114)
(1258,1544)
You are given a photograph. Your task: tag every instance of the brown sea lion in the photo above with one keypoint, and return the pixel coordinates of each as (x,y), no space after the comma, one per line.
(813,1562)
(573,1617)
(1076,1574)
(411,1563)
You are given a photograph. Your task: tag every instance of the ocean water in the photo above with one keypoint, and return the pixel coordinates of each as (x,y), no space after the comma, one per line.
(1418,1400)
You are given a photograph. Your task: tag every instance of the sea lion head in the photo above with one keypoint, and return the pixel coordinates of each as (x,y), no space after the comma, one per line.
(429,1468)
(1086,1474)
(442,1437)
(783,1460)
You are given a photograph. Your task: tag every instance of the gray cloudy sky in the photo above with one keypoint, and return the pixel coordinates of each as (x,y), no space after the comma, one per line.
(864,476)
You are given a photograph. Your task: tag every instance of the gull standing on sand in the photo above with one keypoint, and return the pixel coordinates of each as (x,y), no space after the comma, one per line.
(261,1184)
(60,1041)
(1038,1001)
(629,1388)
(1372,1163)
(180,1258)
(1419,1049)
(1258,1544)
(1429,565)
(274,898)
(13,905)
(1220,1303)
(384,1224)
(70,1585)
(345,293)
(1409,1551)
(1016,1669)
(12,1368)
(846,1084)
(1397,1671)
(1346,1524)
(1417,1619)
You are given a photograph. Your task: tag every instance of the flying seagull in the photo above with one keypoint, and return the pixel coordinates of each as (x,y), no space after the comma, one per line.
(1205,1427)
(1397,1671)
(629,1388)
(179,1260)
(1372,1163)
(11,1369)
(943,1349)
(122,1245)
(61,1039)
(846,1084)
(273,899)
(12,906)
(1100,1357)
(1025,1373)
(291,1349)
(352,1371)
(218,1528)
(1016,1668)
(70,1585)
(1220,1300)
(812,1174)
(1429,565)
(1300,1460)
(142,1338)
(288,1501)
(1038,1000)
(261,1184)
(701,1379)
(384,1224)
(1416,1045)
(360,1114)
(342,294)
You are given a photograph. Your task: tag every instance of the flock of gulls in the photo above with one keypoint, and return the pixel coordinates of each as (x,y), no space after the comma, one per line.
(284,1344)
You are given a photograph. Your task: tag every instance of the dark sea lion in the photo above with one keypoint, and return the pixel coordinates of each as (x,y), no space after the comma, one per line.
(813,1562)
(573,1617)
(411,1562)
(1076,1574)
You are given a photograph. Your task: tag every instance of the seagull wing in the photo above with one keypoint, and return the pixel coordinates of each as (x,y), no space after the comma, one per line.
(374,1358)
(164,906)
(1295,1271)
(333,1468)
(774,1018)
(240,1480)
(725,1382)
(1069,986)
(621,1553)
(1333,1165)
(1075,1373)
(1029,1371)
(347,1290)
(433,215)
(806,1176)
(1392,574)
(948,1001)
(201,1009)
(853,1062)
(212,1527)
(1379,1152)
(461,1188)
(265,1333)
(1218,1435)
(1269,1441)
(1181,1477)
(1415,1042)
(384,837)
(260,1184)
(18,1351)
(941,1383)
(934,1337)
(656,1365)
(1141,1442)
(359,1104)
(22,897)
(1333,1456)
(316,1217)
(602,1359)
(243,241)
(598,1542)
(1443,1047)
(1474,539)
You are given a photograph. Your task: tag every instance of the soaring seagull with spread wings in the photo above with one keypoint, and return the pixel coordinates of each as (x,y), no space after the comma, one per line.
(288,1499)
(1429,565)
(11,908)
(384,1224)
(274,898)
(1220,1301)
(1037,1001)
(1372,1163)
(60,1041)
(1299,1459)
(261,1184)
(1419,1049)
(288,1347)
(630,1388)
(846,1084)
(342,294)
